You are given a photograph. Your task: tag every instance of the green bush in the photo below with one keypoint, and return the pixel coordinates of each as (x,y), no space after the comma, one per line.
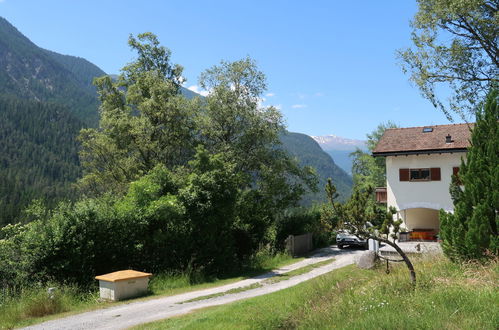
(166,222)
(300,221)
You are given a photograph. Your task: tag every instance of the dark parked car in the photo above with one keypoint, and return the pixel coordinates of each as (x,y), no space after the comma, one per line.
(345,239)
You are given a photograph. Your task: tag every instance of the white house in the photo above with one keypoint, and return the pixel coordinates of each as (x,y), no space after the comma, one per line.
(420,162)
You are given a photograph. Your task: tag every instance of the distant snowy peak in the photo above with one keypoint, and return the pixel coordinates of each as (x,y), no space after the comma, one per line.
(334,142)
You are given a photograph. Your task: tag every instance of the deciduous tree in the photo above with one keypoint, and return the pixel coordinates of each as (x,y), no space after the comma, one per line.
(235,124)
(455,46)
(144,121)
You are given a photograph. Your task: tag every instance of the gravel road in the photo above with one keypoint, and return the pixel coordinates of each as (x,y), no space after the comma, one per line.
(134,313)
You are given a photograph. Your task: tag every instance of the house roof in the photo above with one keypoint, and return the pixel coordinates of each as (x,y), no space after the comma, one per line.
(424,139)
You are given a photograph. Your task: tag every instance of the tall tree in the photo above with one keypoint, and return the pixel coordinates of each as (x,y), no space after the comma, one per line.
(144,121)
(456,46)
(236,125)
(473,228)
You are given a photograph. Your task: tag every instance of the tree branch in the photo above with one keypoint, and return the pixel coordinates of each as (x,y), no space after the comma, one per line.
(408,262)
(492,53)
(446,77)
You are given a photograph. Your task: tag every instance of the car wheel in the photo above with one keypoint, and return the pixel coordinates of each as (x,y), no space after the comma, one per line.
(340,246)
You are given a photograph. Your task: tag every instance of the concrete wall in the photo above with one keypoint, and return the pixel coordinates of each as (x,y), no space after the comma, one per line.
(423,194)
(107,290)
(125,289)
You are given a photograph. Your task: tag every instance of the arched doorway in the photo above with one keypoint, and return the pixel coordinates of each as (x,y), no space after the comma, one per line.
(421,223)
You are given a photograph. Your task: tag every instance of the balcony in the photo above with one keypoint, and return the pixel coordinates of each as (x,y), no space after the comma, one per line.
(381,195)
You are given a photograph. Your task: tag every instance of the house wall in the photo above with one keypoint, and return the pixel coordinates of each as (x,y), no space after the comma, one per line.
(423,194)
(420,219)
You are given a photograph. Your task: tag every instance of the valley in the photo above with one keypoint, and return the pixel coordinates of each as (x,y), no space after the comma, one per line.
(46,98)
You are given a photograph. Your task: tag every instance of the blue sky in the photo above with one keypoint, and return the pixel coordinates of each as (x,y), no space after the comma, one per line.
(330,65)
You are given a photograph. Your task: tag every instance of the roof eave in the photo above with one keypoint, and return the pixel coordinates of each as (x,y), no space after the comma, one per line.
(418,152)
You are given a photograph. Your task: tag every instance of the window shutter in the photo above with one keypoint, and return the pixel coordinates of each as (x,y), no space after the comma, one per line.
(435,174)
(455,172)
(404,174)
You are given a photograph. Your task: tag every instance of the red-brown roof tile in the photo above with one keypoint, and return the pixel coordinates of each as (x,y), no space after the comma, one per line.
(413,139)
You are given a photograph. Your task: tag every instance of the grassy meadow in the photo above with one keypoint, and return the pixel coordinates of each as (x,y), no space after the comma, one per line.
(33,305)
(447,296)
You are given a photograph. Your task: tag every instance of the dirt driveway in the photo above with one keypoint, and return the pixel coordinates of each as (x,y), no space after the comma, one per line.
(134,313)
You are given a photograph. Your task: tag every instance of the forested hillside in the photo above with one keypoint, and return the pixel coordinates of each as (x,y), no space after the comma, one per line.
(30,72)
(308,152)
(38,154)
(45,99)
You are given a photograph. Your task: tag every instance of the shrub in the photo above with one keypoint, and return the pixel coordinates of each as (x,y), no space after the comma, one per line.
(300,221)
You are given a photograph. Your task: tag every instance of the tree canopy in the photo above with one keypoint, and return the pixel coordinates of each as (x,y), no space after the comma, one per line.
(361,217)
(455,49)
(144,121)
(233,123)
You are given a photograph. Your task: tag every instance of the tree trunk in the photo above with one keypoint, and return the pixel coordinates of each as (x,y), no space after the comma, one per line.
(403,255)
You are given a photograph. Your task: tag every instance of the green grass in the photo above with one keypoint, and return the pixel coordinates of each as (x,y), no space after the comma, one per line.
(447,296)
(219,294)
(274,279)
(33,305)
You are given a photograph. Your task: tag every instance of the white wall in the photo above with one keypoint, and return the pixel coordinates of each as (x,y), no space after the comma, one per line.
(420,219)
(422,194)
(123,289)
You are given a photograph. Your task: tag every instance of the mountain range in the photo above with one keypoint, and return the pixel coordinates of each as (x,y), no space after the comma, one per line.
(339,149)
(33,73)
(308,152)
(46,98)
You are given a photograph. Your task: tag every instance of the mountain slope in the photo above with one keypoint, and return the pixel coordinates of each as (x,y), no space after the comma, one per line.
(45,99)
(339,149)
(30,72)
(38,154)
(188,93)
(83,70)
(334,142)
(308,152)
(342,158)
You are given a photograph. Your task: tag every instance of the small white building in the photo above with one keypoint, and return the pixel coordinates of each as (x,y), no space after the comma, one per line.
(420,162)
(123,284)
